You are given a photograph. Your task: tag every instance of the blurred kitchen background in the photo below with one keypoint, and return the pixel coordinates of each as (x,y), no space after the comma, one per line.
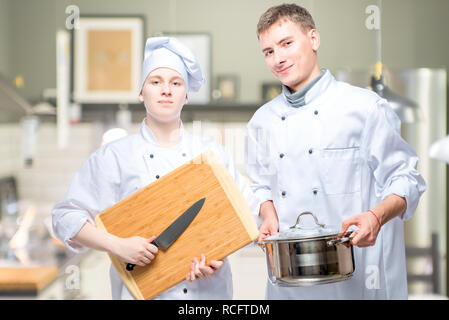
(51,120)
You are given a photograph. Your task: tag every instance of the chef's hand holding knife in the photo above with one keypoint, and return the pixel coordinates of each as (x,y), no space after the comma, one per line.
(270,224)
(140,251)
(136,250)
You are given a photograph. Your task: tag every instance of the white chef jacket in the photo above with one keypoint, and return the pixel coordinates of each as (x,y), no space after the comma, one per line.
(337,156)
(117,170)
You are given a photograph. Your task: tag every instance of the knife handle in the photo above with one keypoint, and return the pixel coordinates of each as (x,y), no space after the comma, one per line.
(130,266)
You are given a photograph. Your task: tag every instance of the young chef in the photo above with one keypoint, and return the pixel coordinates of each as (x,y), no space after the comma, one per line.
(336,150)
(120,168)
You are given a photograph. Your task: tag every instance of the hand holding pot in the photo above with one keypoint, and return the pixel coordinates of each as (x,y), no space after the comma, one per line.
(270,225)
(199,269)
(369,227)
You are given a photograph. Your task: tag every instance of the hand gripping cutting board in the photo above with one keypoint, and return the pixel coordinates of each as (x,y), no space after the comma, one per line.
(223,225)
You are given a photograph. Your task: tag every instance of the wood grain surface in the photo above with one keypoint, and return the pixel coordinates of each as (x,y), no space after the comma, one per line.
(27,279)
(223,225)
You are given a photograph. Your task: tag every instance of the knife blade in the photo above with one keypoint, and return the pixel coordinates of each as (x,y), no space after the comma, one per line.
(175,229)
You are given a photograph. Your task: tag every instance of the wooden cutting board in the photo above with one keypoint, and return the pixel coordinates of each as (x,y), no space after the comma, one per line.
(223,225)
(27,279)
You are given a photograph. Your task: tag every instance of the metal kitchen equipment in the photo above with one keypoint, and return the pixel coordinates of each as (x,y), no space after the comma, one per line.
(406,109)
(305,256)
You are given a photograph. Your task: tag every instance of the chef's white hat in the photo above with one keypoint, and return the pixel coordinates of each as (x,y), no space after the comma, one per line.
(169,52)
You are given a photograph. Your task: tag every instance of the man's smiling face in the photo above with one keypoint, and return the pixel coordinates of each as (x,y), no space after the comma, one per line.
(290,53)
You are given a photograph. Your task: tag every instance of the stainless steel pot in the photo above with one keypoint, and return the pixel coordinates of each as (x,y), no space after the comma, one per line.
(304,256)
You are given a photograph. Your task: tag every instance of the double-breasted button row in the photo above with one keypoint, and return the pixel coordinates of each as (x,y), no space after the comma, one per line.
(284,193)
(152,155)
(281,155)
(315,112)
(158,176)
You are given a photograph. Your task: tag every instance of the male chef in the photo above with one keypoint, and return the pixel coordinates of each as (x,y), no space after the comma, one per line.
(333,149)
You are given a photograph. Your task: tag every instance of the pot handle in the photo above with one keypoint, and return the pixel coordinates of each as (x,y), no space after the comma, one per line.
(304,213)
(334,242)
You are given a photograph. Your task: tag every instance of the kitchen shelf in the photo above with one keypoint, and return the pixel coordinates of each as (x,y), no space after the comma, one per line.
(223,107)
(188,107)
(214,111)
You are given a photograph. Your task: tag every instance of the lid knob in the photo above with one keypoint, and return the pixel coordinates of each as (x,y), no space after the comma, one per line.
(296,226)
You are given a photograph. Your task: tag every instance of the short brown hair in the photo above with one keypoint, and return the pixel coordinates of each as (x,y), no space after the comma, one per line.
(292,11)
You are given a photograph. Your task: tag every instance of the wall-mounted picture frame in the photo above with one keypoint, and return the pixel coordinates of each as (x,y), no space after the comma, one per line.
(226,88)
(107,59)
(271,90)
(201,46)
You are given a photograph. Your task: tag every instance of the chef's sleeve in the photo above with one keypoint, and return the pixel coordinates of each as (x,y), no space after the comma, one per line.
(91,190)
(391,159)
(259,166)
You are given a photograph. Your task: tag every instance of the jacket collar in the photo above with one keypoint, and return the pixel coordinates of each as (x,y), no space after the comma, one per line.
(317,95)
(149,136)
(318,88)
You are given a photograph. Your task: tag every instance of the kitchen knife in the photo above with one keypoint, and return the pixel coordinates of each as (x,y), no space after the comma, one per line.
(173,231)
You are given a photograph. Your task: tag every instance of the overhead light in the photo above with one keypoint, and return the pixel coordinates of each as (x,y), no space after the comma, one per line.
(407,110)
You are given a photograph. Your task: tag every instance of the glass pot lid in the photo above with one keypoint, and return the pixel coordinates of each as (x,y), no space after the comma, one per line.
(298,232)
